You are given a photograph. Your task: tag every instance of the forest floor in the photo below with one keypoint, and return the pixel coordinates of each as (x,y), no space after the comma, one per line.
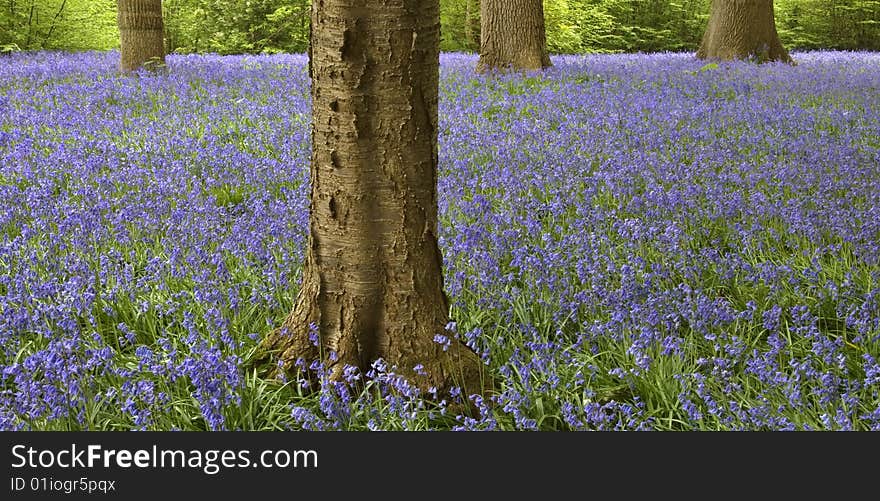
(639,241)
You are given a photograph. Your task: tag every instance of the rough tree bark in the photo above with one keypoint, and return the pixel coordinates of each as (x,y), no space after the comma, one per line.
(742,29)
(512,35)
(141,34)
(372,280)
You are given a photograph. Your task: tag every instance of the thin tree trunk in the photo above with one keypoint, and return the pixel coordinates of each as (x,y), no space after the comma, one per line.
(372,280)
(31,22)
(171,41)
(512,35)
(142,42)
(54,20)
(742,29)
(468,28)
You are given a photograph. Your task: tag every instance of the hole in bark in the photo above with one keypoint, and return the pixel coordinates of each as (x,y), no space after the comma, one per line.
(362,126)
(332,206)
(334,106)
(334,159)
(348,45)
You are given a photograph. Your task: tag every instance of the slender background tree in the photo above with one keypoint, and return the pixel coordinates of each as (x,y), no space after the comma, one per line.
(372,283)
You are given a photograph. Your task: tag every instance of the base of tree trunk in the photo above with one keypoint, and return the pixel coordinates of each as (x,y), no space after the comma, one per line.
(142,35)
(742,30)
(295,347)
(765,53)
(512,36)
(536,63)
(152,66)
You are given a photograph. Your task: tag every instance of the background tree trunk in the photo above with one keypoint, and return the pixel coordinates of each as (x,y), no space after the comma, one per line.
(372,280)
(468,27)
(742,29)
(141,34)
(512,35)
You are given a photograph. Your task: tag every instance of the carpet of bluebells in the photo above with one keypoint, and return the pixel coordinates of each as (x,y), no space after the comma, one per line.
(630,242)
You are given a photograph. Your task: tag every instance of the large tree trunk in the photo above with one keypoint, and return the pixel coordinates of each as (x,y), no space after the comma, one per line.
(141,34)
(372,280)
(742,29)
(512,35)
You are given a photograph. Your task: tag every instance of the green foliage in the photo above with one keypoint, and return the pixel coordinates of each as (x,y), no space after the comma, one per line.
(705,68)
(58,24)
(573,26)
(829,24)
(577,26)
(232,26)
(460,25)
